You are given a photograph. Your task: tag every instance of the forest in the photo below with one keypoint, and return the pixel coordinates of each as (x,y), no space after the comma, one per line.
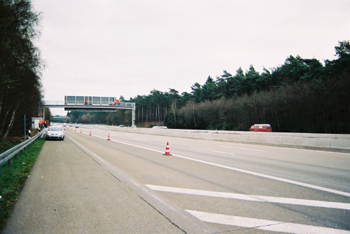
(20,65)
(301,95)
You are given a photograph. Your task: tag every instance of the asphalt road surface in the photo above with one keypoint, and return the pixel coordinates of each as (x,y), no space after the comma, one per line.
(219,187)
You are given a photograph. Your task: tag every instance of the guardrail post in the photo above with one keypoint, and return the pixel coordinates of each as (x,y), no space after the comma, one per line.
(9,162)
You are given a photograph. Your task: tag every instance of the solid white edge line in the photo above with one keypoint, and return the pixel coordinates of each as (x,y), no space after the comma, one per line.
(245,171)
(255,198)
(178,216)
(262,224)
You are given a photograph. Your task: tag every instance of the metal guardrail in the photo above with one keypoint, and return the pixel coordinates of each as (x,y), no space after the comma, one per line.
(10,153)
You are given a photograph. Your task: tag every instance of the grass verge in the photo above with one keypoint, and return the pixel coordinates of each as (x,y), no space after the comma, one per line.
(13,178)
(8,143)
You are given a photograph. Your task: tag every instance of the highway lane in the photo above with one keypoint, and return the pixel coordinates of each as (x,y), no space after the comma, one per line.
(246,183)
(302,165)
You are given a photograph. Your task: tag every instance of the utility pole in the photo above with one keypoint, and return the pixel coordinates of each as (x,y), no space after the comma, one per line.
(133,116)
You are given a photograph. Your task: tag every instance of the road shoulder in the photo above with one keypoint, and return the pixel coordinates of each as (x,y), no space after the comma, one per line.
(69,192)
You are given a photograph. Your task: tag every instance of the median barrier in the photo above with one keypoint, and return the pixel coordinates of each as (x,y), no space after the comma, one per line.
(340,144)
(307,142)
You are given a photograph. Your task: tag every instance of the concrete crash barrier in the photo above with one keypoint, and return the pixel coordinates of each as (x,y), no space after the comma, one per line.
(330,142)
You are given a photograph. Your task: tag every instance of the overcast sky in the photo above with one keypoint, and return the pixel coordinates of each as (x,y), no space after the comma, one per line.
(130,47)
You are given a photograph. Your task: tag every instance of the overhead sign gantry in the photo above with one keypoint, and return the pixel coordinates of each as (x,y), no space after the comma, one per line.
(93,104)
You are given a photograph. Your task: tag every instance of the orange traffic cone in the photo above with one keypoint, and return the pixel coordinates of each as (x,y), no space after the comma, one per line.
(81,131)
(108,138)
(90,133)
(167,151)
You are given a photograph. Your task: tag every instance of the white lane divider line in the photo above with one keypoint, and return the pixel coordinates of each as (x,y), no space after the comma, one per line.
(220,152)
(137,146)
(268,176)
(179,217)
(255,198)
(241,148)
(243,171)
(261,224)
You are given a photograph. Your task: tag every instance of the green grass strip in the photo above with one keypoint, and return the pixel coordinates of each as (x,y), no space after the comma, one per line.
(13,178)
(6,144)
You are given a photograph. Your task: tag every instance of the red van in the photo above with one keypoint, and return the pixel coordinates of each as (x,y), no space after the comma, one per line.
(261,128)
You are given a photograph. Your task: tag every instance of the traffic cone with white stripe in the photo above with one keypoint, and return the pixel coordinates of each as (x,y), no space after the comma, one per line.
(90,133)
(109,137)
(167,151)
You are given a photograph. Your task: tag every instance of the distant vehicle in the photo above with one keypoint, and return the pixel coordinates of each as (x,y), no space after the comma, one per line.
(260,128)
(55,132)
(160,127)
(64,125)
(121,126)
(76,126)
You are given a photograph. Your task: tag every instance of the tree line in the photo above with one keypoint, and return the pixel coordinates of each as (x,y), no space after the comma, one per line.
(20,65)
(301,95)
(121,117)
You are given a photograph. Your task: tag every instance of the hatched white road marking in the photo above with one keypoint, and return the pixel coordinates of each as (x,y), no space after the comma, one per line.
(262,224)
(255,198)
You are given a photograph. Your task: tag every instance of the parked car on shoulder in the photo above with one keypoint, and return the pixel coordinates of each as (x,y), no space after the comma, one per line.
(55,132)
(261,128)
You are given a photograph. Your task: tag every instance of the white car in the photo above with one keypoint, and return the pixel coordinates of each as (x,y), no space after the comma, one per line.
(55,132)
(160,127)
